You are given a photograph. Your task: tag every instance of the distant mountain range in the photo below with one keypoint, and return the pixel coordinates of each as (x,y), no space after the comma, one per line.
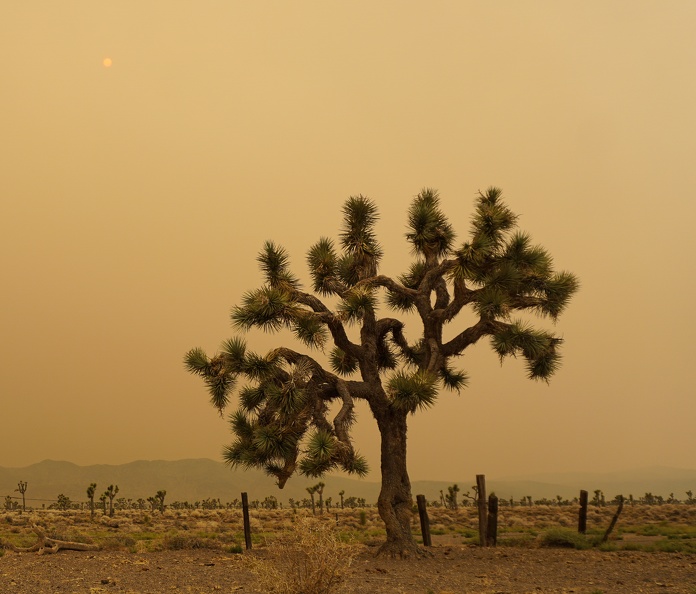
(195,480)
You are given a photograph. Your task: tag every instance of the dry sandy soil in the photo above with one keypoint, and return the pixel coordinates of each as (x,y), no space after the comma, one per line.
(451,569)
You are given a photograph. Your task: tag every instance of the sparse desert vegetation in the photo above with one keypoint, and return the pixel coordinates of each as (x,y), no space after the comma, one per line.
(537,542)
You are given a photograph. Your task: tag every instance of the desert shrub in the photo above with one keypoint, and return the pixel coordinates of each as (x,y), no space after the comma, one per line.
(117,542)
(564,538)
(309,560)
(178,542)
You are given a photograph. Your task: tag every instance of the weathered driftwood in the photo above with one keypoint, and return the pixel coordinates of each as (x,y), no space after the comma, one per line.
(47,545)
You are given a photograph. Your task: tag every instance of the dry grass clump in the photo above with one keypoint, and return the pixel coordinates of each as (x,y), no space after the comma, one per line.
(309,560)
(564,538)
(179,542)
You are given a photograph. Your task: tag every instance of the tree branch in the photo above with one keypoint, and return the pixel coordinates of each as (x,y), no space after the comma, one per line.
(470,336)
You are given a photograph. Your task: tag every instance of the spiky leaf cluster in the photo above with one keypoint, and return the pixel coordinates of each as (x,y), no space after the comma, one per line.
(412,391)
(356,303)
(539,348)
(362,250)
(430,233)
(274,263)
(342,363)
(284,396)
(508,271)
(324,267)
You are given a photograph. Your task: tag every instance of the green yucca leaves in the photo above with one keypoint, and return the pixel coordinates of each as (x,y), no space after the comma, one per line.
(558,291)
(356,464)
(323,266)
(260,368)
(320,454)
(544,366)
(399,302)
(219,388)
(521,337)
(410,392)
(453,379)
(310,330)
(415,275)
(386,359)
(315,468)
(538,347)
(359,218)
(358,240)
(356,303)
(410,280)
(505,277)
(273,261)
(492,218)
(196,361)
(430,232)
(241,426)
(528,259)
(269,308)
(322,446)
(492,303)
(268,441)
(472,259)
(342,363)
(234,350)
(252,397)
(290,400)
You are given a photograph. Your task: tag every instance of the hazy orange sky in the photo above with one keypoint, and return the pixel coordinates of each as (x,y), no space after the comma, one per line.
(136,197)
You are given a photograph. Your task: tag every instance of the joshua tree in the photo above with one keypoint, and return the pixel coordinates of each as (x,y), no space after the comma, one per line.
(312,491)
(111,492)
(159,500)
(283,422)
(452,496)
(63,502)
(102,499)
(22,488)
(341,494)
(320,491)
(90,495)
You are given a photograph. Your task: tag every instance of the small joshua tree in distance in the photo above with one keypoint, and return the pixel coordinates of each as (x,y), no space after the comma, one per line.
(22,488)
(111,492)
(90,495)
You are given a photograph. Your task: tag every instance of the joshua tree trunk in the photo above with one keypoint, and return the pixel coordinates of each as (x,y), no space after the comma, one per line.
(395,501)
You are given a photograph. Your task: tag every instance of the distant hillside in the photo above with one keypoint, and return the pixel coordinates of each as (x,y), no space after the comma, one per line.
(658,480)
(184,480)
(195,480)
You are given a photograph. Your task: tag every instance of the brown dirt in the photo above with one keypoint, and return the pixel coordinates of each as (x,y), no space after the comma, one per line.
(451,569)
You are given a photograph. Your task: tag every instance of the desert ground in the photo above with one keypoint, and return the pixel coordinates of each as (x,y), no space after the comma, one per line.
(652,549)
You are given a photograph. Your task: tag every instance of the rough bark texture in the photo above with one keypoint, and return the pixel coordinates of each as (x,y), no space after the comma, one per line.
(395,500)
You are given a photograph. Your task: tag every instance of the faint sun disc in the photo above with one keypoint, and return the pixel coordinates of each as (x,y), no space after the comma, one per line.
(107,62)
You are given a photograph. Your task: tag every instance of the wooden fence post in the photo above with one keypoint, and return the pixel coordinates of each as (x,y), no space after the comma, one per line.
(247,525)
(424,520)
(582,519)
(605,538)
(482,511)
(492,535)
